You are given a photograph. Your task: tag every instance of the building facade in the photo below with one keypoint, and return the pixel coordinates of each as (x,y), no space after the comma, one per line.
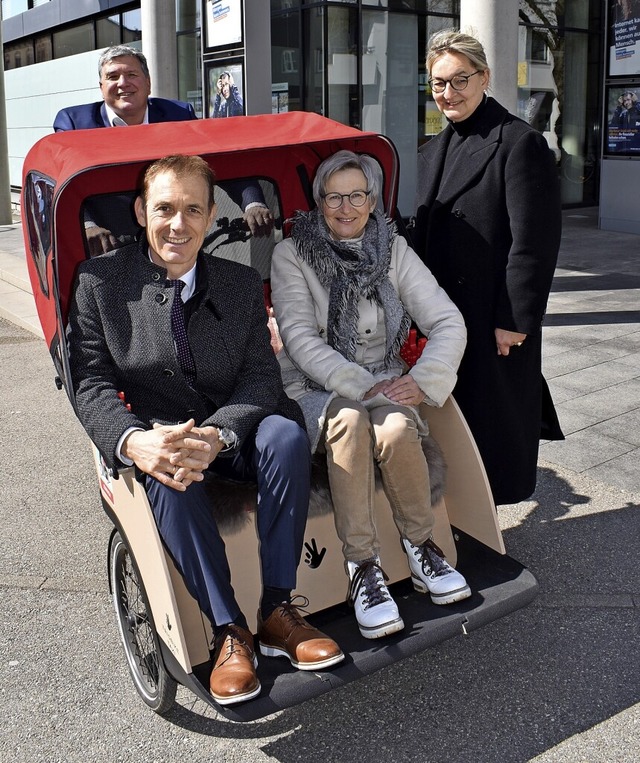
(360,62)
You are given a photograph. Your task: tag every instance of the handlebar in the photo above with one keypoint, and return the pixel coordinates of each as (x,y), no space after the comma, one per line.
(235,230)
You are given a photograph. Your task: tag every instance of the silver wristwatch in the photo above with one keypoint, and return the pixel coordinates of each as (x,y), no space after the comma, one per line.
(228,437)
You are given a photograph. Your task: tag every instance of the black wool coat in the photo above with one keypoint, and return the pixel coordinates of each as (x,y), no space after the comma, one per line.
(120,339)
(490,234)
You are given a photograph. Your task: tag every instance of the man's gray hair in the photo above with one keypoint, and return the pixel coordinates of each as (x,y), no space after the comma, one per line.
(343,160)
(117,51)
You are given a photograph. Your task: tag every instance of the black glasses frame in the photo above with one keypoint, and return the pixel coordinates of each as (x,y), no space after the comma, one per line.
(442,83)
(345,196)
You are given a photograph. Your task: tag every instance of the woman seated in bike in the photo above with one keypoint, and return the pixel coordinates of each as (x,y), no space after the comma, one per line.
(345,289)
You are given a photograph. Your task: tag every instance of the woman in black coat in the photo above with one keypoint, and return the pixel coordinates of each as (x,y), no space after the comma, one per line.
(488,226)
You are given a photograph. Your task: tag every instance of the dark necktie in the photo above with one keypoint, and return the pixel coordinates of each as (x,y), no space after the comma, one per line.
(179,330)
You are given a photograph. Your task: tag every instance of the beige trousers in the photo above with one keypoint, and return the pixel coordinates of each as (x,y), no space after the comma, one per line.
(355,441)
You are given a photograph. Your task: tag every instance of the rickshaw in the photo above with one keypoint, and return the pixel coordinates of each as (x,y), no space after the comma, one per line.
(166,638)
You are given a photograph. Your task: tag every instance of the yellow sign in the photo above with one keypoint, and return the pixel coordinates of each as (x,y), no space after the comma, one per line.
(432,122)
(523,74)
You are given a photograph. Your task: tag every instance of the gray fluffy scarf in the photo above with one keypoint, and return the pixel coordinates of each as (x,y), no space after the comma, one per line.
(350,270)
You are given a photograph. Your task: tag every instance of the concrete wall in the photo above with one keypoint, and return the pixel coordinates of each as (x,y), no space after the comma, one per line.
(35,94)
(618,198)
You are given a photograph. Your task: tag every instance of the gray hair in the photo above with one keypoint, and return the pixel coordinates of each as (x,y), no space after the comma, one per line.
(453,41)
(118,51)
(343,160)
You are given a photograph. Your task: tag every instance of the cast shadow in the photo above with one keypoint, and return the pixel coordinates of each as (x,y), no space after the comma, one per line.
(514,688)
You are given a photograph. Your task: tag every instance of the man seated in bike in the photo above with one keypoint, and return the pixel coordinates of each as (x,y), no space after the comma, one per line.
(184,336)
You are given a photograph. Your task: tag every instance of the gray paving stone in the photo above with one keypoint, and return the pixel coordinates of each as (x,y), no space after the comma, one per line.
(594,378)
(625,428)
(632,359)
(574,421)
(583,450)
(625,470)
(607,403)
(574,360)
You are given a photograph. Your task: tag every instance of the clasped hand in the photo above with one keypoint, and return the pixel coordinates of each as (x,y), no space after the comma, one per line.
(403,390)
(176,455)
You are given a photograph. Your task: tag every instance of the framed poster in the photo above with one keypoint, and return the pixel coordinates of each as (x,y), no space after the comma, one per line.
(624,38)
(279,97)
(225,88)
(622,130)
(223,23)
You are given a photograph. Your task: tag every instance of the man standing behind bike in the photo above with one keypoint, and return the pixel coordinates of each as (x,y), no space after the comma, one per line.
(125,85)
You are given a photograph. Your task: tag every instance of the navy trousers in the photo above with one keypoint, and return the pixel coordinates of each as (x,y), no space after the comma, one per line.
(278,459)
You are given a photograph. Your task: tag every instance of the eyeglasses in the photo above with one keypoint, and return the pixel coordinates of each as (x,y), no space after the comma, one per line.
(459,82)
(356,199)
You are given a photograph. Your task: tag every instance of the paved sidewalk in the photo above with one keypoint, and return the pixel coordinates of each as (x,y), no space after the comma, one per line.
(591,352)
(555,682)
(16,300)
(591,344)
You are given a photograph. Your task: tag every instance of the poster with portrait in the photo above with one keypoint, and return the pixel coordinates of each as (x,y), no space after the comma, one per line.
(223,23)
(624,38)
(622,133)
(225,86)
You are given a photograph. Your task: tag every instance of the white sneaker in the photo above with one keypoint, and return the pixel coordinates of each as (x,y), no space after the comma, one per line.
(376,612)
(430,572)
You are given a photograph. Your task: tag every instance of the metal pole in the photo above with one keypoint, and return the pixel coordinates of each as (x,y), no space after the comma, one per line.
(5,185)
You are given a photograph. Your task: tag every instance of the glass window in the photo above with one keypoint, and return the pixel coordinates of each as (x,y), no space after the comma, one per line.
(38,198)
(18,54)
(131,26)
(108,31)
(558,94)
(76,39)
(187,15)
(315,55)
(390,56)
(44,48)
(576,14)
(190,71)
(451,7)
(578,139)
(342,65)
(286,69)
(13,7)
(430,120)
(393,5)
(283,5)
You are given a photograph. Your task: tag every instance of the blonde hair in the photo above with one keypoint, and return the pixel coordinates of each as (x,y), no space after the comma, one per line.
(454,41)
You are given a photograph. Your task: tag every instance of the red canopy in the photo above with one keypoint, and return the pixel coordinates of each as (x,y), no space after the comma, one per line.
(285,149)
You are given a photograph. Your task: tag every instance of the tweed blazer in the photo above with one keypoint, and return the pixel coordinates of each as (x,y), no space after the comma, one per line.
(90,115)
(120,340)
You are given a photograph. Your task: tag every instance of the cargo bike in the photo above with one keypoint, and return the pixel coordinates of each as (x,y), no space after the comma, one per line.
(166,638)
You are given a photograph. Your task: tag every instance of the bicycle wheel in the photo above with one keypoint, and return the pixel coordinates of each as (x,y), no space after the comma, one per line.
(137,632)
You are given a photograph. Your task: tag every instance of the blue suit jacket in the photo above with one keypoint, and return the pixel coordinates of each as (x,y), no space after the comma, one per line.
(89,115)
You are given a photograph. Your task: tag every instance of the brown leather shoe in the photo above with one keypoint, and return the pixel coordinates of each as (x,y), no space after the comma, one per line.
(286,633)
(233,678)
